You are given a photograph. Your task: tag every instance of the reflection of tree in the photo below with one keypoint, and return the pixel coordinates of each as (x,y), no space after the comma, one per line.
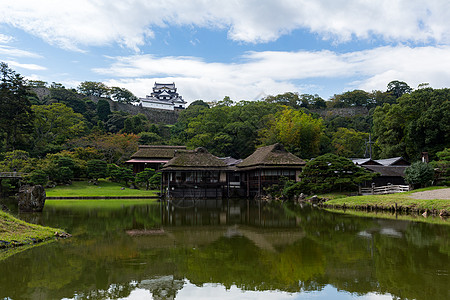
(238,261)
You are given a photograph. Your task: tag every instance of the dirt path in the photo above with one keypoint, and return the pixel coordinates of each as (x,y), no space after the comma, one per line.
(434,194)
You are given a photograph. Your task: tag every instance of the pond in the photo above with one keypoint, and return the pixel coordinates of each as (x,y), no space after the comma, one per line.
(226,250)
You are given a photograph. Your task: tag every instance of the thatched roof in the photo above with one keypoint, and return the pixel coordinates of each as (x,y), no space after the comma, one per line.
(198,159)
(157,151)
(271,156)
(388,171)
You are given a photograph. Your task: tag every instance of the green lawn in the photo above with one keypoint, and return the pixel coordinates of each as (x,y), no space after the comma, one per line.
(402,199)
(103,189)
(14,232)
(89,204)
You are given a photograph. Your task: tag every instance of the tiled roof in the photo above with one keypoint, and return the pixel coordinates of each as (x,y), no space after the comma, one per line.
(273,155)
(399,161)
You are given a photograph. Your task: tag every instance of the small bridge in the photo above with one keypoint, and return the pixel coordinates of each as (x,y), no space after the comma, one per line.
(12,175)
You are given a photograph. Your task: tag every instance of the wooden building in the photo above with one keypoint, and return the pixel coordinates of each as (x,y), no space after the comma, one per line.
(391,170)
(265,167)
(154,156)
(195,174)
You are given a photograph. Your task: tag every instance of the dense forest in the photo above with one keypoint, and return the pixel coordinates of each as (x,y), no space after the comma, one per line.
(58,133)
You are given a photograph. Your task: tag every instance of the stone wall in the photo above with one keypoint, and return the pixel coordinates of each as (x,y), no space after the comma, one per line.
(342,112)
(154,115)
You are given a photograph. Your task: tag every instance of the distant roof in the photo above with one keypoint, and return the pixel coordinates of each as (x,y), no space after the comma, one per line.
(157,151)
(390,171)
(398,161)
(230,161)
(198,159)
(271,156)
(167,85)
(364,161)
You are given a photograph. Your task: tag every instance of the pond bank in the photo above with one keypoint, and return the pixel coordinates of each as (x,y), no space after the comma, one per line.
(15,232)
(428,201)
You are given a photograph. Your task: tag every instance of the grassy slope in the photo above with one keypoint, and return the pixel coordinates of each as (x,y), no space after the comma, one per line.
(104,189)
(17,232)
(402,199)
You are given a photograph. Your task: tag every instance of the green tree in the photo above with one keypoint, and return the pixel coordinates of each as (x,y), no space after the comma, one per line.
(96,169)
(103,110)
(54,124)
(419,174)
(289,99)
(16,116)
(352,98)
(145,176)
(298,131)
(17,161)
(398,88)
(419,122)
(443,166)
(349,142)
(38,177)
(329,173)
(92,88)
(123,95)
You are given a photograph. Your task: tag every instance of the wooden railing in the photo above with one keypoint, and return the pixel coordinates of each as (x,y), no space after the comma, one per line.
(387,189)
(12,174)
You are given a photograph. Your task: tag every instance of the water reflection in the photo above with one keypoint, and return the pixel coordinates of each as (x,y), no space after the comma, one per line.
(192,252)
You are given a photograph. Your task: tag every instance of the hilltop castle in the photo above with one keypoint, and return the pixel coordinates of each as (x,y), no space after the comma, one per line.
(165,97)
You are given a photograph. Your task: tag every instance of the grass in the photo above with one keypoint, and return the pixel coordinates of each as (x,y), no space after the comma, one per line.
(386,201)
(15,232)
(103,189)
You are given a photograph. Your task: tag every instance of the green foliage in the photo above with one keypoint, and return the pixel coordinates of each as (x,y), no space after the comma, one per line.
(148,138)
(289,99)
(224,130)
(398,88)
(54,124)
(419,174)
(38,177)
(92,88)
(298,131)
(120,174)
(16,161)
(145,177)
(329,173)
(443,166)
(419,122)
(103,110)
(96,169)
(349,142)
(16,116)
(123,95)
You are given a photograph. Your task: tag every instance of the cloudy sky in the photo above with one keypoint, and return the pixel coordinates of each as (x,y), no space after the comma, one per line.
(244,49)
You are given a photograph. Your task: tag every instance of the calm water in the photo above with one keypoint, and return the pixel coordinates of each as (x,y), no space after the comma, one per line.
(227,251)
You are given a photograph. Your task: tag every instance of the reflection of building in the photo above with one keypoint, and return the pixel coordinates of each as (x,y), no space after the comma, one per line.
(164,96)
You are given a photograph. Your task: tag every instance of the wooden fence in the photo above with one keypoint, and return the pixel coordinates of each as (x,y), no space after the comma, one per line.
(387,189)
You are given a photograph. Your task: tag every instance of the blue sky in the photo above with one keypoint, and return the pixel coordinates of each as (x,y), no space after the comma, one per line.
(243,49)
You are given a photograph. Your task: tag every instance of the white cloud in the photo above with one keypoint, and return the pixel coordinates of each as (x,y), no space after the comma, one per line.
(11,51)
(273,72)
(32,67)
(5,39)
(75,24)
